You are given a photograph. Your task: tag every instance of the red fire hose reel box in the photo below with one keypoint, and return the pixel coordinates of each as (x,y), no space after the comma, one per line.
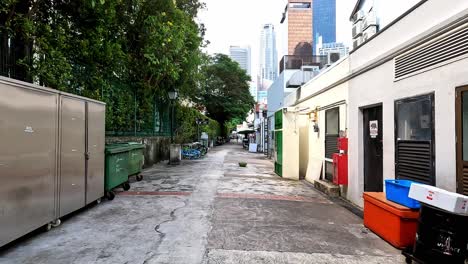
(340,169)
(340,163)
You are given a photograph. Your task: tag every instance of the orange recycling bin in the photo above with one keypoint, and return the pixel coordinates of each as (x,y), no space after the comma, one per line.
(395,223)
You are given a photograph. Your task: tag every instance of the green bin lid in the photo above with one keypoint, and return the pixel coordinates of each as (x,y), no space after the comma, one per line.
(116,148)
(135,145)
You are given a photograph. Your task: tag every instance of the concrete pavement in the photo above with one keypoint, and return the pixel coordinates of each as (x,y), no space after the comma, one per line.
(209,211)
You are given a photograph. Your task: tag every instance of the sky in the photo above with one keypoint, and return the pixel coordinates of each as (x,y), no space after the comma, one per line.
(239,22)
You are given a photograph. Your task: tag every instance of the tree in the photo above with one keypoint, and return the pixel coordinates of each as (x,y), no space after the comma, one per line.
(128,53)
(225,90)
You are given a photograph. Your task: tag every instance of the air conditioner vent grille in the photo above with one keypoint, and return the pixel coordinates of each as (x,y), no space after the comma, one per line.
(435,52)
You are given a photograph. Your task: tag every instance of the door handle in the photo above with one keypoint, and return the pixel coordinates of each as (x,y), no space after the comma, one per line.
(87,155)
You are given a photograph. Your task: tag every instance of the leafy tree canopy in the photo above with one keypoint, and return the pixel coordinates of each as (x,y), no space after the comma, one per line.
(127,53)
(225,90)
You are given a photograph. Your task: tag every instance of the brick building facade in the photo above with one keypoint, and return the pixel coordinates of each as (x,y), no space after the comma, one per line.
(298,17)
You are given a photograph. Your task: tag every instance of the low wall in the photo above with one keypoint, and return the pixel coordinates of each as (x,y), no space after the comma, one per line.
(156,148)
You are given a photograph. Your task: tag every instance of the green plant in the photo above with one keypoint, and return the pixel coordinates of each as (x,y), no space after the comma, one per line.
(186,130)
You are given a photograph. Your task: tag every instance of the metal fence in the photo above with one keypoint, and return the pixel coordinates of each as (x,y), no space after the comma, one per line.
(131,114)
(128,113)
(14,56)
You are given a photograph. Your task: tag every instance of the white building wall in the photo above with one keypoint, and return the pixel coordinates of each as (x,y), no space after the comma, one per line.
(377,86)
(423,18)
(441,81)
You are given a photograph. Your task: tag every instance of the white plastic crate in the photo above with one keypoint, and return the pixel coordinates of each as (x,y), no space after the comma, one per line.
(449,201)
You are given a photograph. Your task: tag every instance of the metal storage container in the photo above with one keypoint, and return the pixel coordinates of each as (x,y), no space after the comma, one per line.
(117,164)
(52,160)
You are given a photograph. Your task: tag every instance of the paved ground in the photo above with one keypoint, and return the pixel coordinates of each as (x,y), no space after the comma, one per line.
(209,211)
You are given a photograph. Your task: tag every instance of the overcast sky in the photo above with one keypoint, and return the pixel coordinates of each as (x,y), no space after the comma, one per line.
(239,22)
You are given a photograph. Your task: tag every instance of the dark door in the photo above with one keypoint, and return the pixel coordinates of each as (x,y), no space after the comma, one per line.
(373,151)
(462,139)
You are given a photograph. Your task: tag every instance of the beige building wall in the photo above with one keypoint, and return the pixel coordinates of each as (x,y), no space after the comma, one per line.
(290,146)
(315,156)
(318,93)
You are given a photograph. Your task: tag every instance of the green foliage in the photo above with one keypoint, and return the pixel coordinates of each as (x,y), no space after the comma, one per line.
(187,128)
(225,91)
(127,53)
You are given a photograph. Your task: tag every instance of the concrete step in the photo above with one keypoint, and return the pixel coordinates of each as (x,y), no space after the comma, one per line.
(328,188)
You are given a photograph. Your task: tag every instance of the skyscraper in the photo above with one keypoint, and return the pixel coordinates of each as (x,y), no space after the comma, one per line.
(242,56)
(296,29)
(324,23)
(268,53)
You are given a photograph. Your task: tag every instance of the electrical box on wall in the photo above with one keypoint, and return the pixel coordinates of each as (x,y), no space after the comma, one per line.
(340,163)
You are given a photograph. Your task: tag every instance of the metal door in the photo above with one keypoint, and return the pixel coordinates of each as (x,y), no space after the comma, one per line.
(373,151)
(279,152)
(28,132)
(95,126)
(72,155)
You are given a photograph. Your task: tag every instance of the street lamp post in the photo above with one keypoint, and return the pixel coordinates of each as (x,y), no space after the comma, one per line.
(199,122)
(175,150)
(172,96)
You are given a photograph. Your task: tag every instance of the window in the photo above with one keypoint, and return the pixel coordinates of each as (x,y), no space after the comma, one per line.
(414,144)
(332,121)
(332,131)
(415,119)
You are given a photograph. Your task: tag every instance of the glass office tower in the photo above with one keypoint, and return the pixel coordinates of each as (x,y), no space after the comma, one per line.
(323,23)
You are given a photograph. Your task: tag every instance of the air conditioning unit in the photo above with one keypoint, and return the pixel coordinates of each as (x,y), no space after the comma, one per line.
(370,31)
(357,29)
(333,57)
(369,20)
(358,16)
(357,42)
(364,37)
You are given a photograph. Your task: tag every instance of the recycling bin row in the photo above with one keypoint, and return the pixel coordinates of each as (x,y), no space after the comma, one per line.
(123,160)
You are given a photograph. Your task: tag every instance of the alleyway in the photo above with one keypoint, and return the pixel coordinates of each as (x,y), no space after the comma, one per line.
(209,211)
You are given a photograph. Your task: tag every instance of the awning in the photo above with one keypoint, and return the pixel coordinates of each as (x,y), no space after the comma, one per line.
(246,131)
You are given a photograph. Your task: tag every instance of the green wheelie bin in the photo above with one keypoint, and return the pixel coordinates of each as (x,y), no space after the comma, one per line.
(135,160)
(116,169)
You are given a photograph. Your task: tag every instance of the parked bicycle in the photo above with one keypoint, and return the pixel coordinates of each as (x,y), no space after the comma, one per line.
(200,147)
(194,150)
(190,153)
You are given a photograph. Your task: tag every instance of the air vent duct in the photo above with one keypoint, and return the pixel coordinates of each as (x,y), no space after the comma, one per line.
(433,53)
